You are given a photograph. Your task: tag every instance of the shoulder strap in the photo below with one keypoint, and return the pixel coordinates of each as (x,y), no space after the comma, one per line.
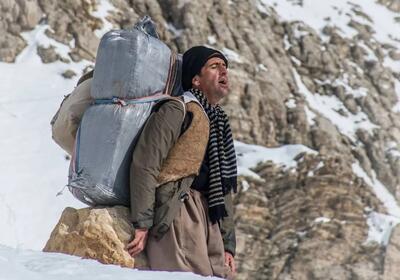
(85,77)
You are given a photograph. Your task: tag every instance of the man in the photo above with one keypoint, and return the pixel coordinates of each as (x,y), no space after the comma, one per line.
(183,173)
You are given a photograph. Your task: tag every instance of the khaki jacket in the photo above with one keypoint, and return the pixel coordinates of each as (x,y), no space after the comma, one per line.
(164,164)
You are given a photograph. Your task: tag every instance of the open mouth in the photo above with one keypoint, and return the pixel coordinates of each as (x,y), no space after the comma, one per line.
(223,82)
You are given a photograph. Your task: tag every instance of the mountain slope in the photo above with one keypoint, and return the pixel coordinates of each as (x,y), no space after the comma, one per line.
(325,75)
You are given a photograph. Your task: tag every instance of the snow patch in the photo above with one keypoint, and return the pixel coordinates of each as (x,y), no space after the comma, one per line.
(176,32)
(262,8)
(295,60)
(329,107)
(339,13)
(211,40)
(245,185)
(249,156)
(310,116)
(232,55)
(38,35)
(380,225)
(357,93)
(322,220)
(30,95)
(103,9)
(291,103)
(379,189)
(19,264)
(261,67)
(392,149)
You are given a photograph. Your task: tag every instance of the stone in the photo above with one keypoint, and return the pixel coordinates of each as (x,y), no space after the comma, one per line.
(48,55)
(392,258)
(30,13)
(10,47)
(393,5)
(394,54)
(68,74)
(100,233)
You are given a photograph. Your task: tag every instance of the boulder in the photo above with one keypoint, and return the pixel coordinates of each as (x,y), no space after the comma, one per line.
(100,233)
(392,258)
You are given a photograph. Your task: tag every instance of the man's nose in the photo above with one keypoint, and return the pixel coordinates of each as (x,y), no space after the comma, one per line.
(223,70)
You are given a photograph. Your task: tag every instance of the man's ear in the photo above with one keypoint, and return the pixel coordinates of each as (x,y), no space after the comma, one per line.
(196,81)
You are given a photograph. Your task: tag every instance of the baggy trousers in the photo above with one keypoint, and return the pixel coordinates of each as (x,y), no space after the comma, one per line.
(192,243)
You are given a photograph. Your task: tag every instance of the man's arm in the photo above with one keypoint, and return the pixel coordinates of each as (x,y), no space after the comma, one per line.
(228,226)
(159,134)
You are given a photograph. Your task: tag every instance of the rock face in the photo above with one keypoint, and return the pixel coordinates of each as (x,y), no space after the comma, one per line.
(99,233)
(309,222)
(392,270)
(306,225)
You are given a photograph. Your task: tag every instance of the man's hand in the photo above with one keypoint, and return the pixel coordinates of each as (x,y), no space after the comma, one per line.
(138,243)
(230,261)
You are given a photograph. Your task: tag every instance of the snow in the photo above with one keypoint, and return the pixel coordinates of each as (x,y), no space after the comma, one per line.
(211,39)
(33,265)
(249,156)
(245,185)
(380,225)
(176,32)
(291,103)
(232,55)
(357,93)
(318,14)
(328,106)
(370,53)
(295,60)
(322,220)
(262,8)
(380,190)
(339,12)
(32,167)
(261,67)
(392,149)
(310,116)
(103,9)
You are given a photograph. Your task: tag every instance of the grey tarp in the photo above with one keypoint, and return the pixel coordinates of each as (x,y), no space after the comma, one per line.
(130,65)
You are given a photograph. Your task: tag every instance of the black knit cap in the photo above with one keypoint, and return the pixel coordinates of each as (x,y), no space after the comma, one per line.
(193,60)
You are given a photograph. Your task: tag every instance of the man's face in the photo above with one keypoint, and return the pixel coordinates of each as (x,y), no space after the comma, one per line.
(213,80)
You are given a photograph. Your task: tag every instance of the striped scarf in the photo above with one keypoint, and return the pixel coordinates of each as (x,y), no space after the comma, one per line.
(221,158)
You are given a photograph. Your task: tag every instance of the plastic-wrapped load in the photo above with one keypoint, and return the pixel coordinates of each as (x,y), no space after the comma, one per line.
(133,72)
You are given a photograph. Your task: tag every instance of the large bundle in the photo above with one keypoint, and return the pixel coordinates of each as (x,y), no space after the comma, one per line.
(133,72)
(65,122)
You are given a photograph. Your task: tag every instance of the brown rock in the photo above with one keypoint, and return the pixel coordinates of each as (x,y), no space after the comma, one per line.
(95,233)
(392,258)
(30,13)
(68,74)
(47,55)
(393,5)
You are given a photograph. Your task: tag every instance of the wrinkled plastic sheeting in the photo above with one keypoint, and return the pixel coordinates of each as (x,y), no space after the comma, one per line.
(148,26)
(99,173)
(130,64)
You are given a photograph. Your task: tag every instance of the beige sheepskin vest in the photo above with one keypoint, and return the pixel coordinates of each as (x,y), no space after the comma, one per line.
(185,158)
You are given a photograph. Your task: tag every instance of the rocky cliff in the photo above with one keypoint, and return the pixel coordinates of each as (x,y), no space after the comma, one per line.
(291,84)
